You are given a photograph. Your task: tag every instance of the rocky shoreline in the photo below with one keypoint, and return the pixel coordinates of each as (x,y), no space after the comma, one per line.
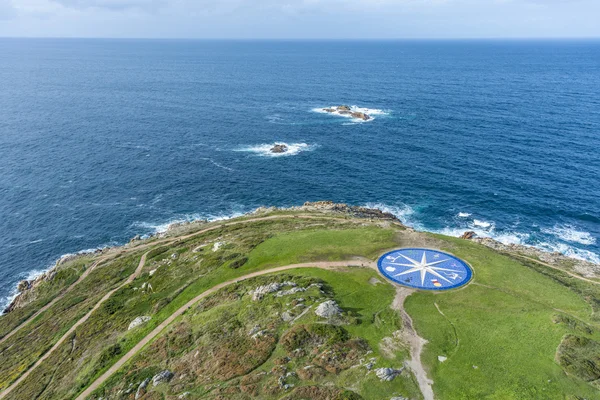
(27,288)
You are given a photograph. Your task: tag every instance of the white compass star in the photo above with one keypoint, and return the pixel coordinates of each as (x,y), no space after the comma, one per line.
(423,267)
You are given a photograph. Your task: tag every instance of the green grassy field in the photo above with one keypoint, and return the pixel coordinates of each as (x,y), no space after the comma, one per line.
(500,333)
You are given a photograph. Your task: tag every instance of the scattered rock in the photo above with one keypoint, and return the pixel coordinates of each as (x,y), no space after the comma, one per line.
(173,256)
(23,286)
(217,246)
(138,321)
(398,398)
(442,358)
(286,316)
(161,377)
(387,374)
(141,390)
(328,309)
(279,148)
(469,235)
(290,291)
(152,272)
(360,115)
(261,291)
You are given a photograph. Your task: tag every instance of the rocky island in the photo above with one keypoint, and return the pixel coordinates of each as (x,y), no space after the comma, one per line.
(347,110)
(279,148)
(289,304)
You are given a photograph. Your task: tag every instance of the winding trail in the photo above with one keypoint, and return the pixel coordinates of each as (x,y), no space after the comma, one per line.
(135,274)
(416,343)
(64,337)
(170,240)
(148,338)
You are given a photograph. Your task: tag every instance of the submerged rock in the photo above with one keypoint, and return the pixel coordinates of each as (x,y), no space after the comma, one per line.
(279,148)
(328,309)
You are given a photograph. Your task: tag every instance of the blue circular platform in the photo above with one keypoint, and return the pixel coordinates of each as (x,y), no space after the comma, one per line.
(424,269)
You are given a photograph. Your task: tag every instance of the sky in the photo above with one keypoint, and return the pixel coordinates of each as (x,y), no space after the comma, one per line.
(301,19)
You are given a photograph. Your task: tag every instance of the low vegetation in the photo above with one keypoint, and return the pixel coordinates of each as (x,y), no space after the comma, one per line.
(519,330)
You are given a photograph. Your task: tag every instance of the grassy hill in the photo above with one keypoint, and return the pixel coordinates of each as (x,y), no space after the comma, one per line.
(205,330)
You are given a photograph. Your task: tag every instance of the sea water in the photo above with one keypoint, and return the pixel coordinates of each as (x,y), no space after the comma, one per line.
(101,140)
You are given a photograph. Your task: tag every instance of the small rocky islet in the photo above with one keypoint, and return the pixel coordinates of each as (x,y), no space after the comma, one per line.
(279,149)
(346,110)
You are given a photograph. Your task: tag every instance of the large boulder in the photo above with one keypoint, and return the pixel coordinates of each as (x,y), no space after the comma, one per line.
(161,377)
(468,235)
(387,374)
(328,309)
(360,115)
(138,321)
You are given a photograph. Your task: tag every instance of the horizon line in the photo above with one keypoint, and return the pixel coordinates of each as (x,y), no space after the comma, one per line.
(490,38)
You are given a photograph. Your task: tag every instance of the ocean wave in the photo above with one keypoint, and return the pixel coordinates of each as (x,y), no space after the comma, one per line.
(482,224)
(464,215)
(264,150)
(152,228)
(406,214)
(371,112)
(570,234)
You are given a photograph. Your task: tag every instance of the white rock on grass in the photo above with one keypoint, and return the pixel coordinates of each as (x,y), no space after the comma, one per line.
(290,291)
(442,358)
(138,321)
(261,291)
(162,376)
(387,374)
(217,246)
(141,389)
(328,309)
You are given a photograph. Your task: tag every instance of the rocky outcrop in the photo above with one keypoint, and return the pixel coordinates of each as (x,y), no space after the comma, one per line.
(138,321)
(351,211)
(328,309)
(469,235)
(28,290)
(346,110)
(581,267)
(141,390)
(162,377)
(279,148)
(261,291)
(387,374)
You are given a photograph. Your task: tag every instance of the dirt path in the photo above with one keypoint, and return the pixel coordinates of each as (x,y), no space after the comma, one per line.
(416,343)
(145,246)
(148,338)
(64,337)
(167,241)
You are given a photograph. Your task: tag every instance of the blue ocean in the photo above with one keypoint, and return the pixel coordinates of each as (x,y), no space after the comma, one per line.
(101,140)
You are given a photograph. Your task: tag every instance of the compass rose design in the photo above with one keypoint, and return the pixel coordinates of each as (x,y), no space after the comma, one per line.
(424,269)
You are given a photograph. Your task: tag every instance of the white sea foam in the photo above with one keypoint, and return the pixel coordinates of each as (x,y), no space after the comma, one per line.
(371,112)
(264,150)
(162,227)
(403,213)
(464,215)
(482,224)
(488,229)
(569,233)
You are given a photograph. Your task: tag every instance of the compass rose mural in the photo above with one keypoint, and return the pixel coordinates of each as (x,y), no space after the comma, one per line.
(424,269)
